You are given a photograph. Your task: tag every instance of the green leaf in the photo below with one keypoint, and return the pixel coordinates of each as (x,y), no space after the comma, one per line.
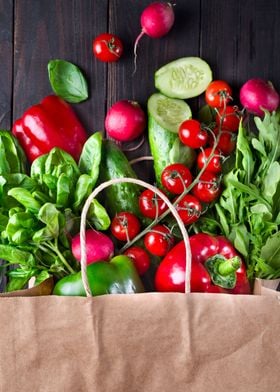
(244,155)
(16,256)
(24,197)
(50,215)
(270,252)
(91,157)
(271,180)
(43,275)
(63,190)
(98,216)
(13,159)
(67,81)
(83,189)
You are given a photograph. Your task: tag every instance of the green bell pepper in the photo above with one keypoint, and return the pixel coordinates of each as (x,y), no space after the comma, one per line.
(117,276)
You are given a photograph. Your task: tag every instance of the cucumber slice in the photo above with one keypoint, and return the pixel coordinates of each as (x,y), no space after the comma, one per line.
(184,78)
(168,112)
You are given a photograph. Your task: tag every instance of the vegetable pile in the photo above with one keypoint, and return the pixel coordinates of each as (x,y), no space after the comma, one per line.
(220,168)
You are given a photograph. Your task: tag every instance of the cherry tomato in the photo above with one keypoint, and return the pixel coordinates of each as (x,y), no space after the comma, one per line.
(107,47)
(227,141)
(176,177)
(228,118)
(192,134)
(208,188)
(140,258)
(151,205)
(159,240)
(218,94)
(125,226)
(215,163)
(189,209)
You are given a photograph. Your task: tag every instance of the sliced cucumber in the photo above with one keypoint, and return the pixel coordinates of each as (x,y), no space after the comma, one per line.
(184,78)
(168,112)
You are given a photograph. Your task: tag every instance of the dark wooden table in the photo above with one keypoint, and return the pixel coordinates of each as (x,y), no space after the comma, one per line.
(238,38)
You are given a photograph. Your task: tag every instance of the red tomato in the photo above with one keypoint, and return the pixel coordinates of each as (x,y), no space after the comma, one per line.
(151,205)
(208,188)
(176,177)
(227,141)
(140,258)
(189,209)
(228,118)
(159,240)
(218,94)
(125,226)
(215,163)
(107,47)
(191,134)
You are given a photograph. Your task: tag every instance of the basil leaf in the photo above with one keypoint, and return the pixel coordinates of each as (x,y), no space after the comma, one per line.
(67,81)
(14,255)
(98,216)
(91,157)
(83,189)
(53,218)
(24,197)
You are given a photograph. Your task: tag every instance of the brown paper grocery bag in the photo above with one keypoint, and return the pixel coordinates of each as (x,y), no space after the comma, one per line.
(152,342)
(143,342)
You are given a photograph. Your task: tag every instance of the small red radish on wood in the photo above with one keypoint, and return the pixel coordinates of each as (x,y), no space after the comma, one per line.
(156,21)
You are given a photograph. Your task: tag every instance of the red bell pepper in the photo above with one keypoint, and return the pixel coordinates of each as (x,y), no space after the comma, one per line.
(216,267)
(51,123)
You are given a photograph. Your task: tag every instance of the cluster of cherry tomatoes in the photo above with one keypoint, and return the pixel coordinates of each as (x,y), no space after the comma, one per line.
(188,193)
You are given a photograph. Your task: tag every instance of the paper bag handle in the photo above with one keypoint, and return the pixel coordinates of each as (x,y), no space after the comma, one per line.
(156,191)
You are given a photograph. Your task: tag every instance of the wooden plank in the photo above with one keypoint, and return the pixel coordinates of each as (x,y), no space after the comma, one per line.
(259,41)
(182,40)
(6,71)
(6,61)
(62,29)
(220,37)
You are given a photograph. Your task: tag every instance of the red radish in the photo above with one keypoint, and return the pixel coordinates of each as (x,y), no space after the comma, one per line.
(257,94)
(98,246)
(125,121)
(156,21)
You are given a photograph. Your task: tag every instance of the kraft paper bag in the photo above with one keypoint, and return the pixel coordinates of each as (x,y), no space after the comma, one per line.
(152,342)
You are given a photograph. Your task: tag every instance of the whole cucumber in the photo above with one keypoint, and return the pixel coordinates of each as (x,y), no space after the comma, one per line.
(166,149)
(119,197)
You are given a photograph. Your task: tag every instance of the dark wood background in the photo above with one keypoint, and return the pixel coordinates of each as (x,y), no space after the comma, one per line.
(238,38)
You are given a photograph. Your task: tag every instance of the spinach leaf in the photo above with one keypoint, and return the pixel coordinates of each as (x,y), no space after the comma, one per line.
(13,159)
(67,81)
(83,189)
(270,252)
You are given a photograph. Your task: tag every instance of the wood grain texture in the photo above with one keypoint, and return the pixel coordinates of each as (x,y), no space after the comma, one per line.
(6,62)
(62,29)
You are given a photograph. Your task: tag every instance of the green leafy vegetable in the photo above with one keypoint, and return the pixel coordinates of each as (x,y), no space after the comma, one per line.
(67,81)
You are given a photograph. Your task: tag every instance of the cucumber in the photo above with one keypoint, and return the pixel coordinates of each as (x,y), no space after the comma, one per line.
(184,78)
(166,149)
(169,113)
(119,197)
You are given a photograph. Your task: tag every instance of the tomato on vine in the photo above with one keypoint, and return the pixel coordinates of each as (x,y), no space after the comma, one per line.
(159,240)
(228,118)
(226,141)
(218,94)
(215,163)
(125,226)
(208,188)
(140,258)
(151,205)
(107,47)
(192,134)
(176,177)
(189,209)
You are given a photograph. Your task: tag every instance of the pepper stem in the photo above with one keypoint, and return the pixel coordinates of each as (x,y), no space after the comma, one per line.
(229,266)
